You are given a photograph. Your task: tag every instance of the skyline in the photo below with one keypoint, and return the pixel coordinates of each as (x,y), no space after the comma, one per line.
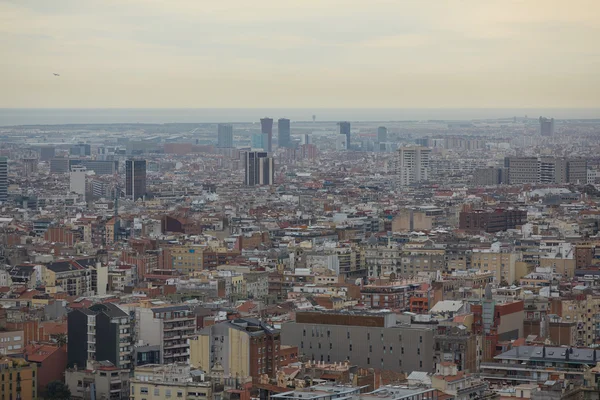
(310,54)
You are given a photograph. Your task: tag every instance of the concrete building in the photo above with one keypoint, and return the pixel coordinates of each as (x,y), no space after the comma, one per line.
(169,327)
(490,221)
(501,264)
(489,176)
(522,170)
(259,169)
(101,167)
(224,136)
(412,165)
(166,382)
(409,220)
(77,180)
(369,340)
(47,153)
(243,348)
(101,332)
(102,380)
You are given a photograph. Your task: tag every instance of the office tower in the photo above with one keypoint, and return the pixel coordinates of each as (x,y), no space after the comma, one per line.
(80,150)
(266,128)
(283,132)
(382,134)
(135,179)
(101,332)
(259,168)
(259,141)
(412,165)
(47,153)
(225,136)
(101,167)
(489,176)
(546,126)
(345,130)
(77,180)
(577,170)
(3,179)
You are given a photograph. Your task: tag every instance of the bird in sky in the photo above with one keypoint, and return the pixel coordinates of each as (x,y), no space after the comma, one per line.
(55,74)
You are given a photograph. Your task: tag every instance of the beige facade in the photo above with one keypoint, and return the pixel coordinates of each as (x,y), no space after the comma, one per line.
(585,312)
(187,258)
(501,264)
(409,220)
(11,342)
(170,381)
(562,266)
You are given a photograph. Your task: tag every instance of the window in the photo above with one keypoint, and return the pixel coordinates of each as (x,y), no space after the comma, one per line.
(420,364)
(143,390)
(179,394)
(368,336)
(402,350)
(418,351)
(17,338)
(348,334)
(330,346)
(368,360)
(370,348)
(350,347)
(420,339)
(156,391)
(167,392)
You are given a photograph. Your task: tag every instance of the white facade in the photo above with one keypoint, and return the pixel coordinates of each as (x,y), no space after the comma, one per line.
(77,181)
(412,165)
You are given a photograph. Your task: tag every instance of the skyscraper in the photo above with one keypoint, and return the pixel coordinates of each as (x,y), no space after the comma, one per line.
(3,179)
(259,168)
(135,178)
(47,153)
(225,136)
(381,134)
(412,165)
(266,128)
(345,130)
(283,132)
(546,126)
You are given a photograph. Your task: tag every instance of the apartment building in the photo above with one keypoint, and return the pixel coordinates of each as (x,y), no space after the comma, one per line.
(501,264)
(412,165)
(244,348)
(102,380)
(169,327)
(369,340)
(584,310)
(166,382)
(19,379)
(101,332)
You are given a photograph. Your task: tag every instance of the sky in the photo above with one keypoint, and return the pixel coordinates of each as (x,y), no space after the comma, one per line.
(299,53)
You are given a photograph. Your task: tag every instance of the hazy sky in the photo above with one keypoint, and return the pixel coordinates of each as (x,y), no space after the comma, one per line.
(299,53)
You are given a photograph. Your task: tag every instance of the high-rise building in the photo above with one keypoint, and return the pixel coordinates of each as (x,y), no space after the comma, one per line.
(283,132)
(47,153)
(77,179)
(259,168)
(101,332)
(345,130)
(546,126)
(30,166)
(135,178)
(225,136)
(259,141)
(3,179)
(81,149)
(382,134)
(412,165)
(266,128)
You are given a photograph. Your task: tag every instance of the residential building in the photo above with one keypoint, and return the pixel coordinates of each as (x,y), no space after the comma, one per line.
(170,381)
(489,176)
(77,180)
(500,263)
(51,362)
(369,340)
(412,165)
(47,153)
(98,333)
(102,380)
(450,380)
(382,134)
(19,380)
(243,348)
(169,327)
(490,221)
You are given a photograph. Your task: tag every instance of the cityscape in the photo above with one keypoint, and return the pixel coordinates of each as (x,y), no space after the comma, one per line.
(299,200)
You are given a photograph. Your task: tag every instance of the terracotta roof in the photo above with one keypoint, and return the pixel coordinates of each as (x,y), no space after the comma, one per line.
(38,353)
(54,328)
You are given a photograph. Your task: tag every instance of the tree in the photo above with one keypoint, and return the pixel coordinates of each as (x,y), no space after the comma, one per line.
(56,390)
(60,339)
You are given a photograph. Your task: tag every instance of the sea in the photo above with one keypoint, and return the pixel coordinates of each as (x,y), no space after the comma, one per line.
(63,116)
